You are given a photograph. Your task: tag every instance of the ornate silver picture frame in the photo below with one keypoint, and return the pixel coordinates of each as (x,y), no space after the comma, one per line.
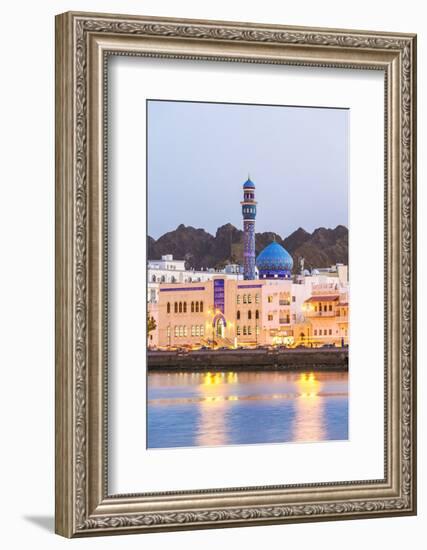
(84,43)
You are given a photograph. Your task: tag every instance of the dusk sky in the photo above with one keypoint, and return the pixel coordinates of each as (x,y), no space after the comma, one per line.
(200,154)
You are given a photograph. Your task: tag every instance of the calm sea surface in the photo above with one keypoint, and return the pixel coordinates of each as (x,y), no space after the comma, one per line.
(230,408)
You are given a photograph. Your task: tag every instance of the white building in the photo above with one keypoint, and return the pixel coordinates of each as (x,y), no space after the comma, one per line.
(168,270)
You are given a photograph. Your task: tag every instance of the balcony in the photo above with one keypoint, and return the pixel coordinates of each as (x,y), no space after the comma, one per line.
(284,302)
(311,313)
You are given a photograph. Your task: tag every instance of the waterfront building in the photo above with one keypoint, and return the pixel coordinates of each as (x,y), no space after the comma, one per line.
(231,313)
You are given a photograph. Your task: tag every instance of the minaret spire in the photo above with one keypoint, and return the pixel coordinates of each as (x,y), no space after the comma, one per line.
(249,214)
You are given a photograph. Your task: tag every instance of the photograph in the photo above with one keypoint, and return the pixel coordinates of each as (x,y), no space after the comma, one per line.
(247,274)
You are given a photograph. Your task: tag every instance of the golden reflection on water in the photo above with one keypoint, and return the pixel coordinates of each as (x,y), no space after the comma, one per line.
(309,423)
(213,407)
(211,393)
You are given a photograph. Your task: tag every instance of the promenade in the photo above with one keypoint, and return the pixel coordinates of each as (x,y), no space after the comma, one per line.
(324,359)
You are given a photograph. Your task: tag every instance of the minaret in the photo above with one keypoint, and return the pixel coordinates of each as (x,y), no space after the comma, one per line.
(249,214)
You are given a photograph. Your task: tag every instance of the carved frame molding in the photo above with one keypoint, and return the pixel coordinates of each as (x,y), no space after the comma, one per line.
(83,44)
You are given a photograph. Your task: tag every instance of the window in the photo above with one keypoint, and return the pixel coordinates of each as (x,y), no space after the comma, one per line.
(202,330)
(168,331)
(197,330)
(249,298)
(244,330)
(238,299)
(163,279)
(192,307)
(168,307)
(330,307)
(257,298)
(245,299)
(175,307)
(315,332)
(180,307)
(325,308)
(193,330)
(238,330)
(330,332)
(197,307)
(257,330)
(185,307)
(185,330)
(315,308)
(270,299)
(270,316)
(257,314)
(201,307)
(293,298)
(249,330)
(176,331)
(173,280)
(249,314)
(238,315)
(153,278)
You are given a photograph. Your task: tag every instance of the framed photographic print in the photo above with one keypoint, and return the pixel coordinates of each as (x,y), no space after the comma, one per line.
(235,274)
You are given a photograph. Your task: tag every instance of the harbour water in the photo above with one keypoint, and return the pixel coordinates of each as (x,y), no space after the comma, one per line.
(188,409)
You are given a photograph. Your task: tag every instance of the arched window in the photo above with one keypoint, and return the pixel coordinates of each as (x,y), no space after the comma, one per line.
(201,307)
(153,278)
(192,307)
(238,315)
(173,280)
(244,330)
(163,279)
(238,299)
(245,299)
(168,307)
(180,307)
(175,307)
(249,314)
(249,298)
(257,314)
(197,307)
(185,308)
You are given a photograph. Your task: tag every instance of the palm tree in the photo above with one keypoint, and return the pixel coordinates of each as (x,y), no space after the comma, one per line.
(151,324)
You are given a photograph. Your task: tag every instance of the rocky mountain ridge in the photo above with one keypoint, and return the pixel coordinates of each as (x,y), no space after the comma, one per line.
(321,248)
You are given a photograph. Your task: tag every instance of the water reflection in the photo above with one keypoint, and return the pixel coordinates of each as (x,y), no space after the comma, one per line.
(223,408)
(309,422)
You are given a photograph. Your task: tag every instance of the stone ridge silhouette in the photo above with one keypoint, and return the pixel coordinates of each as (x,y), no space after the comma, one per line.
(201,250)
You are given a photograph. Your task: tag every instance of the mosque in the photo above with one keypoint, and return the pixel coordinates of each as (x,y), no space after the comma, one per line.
(270,306)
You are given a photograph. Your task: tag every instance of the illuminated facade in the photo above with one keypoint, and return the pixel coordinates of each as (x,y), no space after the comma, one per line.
(230,313)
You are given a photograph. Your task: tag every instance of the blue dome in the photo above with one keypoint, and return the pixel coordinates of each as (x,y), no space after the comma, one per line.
(274,262)
(249,184)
